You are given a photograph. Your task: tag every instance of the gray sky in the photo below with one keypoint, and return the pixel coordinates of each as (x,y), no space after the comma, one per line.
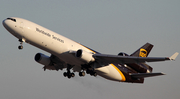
(105,26)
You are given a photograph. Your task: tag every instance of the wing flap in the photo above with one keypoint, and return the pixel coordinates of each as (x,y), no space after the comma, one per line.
(143,75)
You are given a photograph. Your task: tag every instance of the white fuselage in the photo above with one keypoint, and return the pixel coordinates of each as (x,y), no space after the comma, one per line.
(56,44)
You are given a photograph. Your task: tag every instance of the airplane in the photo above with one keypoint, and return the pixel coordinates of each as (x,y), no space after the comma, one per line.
(75,57)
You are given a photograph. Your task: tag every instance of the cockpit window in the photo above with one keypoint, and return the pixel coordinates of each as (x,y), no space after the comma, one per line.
(12,19)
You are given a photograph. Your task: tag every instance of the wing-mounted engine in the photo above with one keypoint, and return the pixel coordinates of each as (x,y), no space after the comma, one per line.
(42,59)
(85,56)
(50,63)
(123,54)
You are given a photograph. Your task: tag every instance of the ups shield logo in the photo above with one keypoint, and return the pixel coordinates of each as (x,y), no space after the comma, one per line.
(142,53)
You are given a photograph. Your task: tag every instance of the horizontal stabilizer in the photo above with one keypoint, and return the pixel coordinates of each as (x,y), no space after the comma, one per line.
(173,57)
(143,75)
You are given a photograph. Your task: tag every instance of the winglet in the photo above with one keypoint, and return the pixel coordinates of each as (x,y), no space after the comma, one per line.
(173,57)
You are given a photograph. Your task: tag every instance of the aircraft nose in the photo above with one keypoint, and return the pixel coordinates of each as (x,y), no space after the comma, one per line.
(4,22)
(7,23)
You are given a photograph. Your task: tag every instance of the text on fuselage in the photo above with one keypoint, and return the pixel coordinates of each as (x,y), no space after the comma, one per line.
(56,38)
(41,31)
(49,35)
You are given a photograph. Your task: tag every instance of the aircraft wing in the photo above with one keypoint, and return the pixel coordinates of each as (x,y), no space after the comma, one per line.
(130,59)
(56,64)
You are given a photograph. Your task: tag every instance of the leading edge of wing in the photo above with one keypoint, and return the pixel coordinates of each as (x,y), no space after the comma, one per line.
(131,59)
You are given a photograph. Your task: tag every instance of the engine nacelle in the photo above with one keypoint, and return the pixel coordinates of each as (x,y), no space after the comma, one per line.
(85,56)
(42,59)
(123,54)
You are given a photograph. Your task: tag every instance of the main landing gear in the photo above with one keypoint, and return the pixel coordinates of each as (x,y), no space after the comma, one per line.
(82,74)
(21,44)
(68,73)
(91,72)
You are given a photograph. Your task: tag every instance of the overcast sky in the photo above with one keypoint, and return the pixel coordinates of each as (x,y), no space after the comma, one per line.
(106,26)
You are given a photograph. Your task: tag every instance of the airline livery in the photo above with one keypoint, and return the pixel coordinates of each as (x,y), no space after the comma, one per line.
(75,57)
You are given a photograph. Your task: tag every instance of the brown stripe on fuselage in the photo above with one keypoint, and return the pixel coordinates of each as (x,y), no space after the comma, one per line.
(122,75)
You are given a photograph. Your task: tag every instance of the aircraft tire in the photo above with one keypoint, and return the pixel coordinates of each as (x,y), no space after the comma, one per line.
(72,74)
(93,73)
(69,75)
(88,71)
(20,47)
(65,74)
(81,74)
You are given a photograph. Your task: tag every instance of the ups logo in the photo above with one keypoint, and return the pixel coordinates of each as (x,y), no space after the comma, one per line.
(142,53)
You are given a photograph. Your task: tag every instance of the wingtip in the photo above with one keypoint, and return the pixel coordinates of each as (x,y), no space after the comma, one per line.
(173,57)
(163,73)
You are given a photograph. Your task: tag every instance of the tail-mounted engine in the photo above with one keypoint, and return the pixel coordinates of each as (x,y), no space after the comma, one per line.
(85,56)
(123,54)
(141,68)
(42,59)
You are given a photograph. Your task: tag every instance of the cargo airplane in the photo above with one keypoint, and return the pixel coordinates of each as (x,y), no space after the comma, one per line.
(75,57)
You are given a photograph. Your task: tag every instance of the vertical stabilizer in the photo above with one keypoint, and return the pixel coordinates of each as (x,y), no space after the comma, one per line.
(143,51)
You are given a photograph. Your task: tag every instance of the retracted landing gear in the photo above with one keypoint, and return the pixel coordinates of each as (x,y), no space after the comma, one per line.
(21,44)
(68,73)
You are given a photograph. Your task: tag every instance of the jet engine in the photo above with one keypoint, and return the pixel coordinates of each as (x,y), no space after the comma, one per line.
(42,59)
(123,54)
(85,56)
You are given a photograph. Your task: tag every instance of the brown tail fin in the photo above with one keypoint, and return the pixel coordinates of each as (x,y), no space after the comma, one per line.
(143,51)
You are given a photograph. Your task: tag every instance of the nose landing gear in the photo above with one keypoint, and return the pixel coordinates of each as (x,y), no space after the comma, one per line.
(21,44)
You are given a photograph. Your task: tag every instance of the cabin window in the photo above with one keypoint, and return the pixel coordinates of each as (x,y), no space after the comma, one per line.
(12,19)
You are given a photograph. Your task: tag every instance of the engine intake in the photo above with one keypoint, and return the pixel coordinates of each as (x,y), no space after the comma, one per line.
(123,54)
(42,59)
(85,56)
